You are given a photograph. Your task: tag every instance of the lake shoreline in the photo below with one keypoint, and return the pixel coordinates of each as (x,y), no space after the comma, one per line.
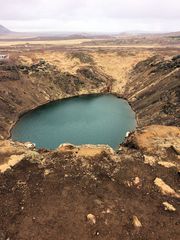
(81,96)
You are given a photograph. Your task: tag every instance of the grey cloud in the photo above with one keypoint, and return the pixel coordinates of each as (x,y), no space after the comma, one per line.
(94,14)
(35,9)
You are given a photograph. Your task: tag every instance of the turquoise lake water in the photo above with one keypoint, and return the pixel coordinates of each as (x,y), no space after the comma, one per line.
(80,120)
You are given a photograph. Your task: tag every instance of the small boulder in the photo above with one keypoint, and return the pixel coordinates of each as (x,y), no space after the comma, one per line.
(91,218)
(166,164)
(136,181)
(165,189)
(149,160)
(30,145)
(169,207)
(136,222)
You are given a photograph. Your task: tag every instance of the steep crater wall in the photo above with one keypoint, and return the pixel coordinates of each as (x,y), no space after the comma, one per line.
(26,87)
(152,89)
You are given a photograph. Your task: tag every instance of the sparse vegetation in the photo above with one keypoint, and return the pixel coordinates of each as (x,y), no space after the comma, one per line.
(83,57)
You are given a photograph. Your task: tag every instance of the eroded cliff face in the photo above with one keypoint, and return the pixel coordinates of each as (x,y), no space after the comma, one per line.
(25,87)
(154,91)
(89,192)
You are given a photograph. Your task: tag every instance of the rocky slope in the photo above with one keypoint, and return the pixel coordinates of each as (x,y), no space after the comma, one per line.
(154,91)
(89,192)
(25,87)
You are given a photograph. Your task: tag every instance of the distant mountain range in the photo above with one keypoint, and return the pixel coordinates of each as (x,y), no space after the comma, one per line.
(72,35)
(4,30)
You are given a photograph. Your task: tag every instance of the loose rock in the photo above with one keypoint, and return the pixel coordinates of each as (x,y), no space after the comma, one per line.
(136,222)
(169,207)
(166,164)
(149,160)
(165,189)
(91,218)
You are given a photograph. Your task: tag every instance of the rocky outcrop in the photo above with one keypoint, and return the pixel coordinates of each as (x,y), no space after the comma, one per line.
(8,71)
(154,89)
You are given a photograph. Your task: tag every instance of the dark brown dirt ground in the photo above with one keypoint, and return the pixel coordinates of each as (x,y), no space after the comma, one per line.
(51,198)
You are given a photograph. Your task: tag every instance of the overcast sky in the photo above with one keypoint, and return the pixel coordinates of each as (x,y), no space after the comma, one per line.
(91,15)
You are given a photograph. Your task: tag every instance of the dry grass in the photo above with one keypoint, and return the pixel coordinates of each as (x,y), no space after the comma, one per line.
(53,42)
(62,61)
(149,139)
(146,46)
(118,65)
(25,60)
